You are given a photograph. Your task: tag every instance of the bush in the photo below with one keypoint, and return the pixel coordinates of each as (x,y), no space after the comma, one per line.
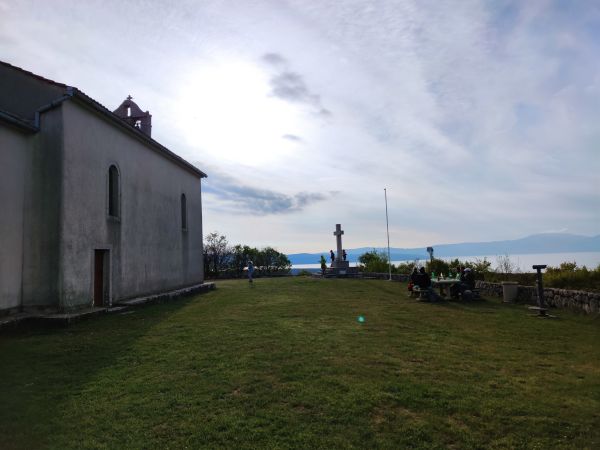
(569,276)
(406,268)
(304,273)
(566,276)
(224,261)
(437,267)
(505,265)
(373,261)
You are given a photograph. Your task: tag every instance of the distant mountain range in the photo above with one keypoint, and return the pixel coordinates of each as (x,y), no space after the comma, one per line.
(537,243)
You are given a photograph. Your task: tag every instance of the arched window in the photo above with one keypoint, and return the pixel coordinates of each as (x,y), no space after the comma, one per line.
(183,212)
(113,191)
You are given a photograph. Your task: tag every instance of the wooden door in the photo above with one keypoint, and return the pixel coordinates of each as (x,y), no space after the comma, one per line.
(99,277)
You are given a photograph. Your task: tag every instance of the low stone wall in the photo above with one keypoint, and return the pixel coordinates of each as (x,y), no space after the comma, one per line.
(588,302)
(384,276)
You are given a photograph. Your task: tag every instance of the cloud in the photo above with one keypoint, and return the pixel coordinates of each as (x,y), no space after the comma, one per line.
(293,138)
(238,197)
(486,112)
(290,86)
(275,59)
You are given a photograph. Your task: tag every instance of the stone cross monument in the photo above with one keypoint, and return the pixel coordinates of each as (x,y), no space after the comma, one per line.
(339,260)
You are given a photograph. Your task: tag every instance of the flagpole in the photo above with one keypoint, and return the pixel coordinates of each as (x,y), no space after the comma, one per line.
(387,226)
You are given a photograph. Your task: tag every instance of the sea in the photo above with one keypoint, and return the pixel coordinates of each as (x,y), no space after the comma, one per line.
(523,262)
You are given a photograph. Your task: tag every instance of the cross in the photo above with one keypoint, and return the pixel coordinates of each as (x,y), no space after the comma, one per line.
(338,237)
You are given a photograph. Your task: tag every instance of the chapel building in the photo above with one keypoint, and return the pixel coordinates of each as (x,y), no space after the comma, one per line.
(93,210)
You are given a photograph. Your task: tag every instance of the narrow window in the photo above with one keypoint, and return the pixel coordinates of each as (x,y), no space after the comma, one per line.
(183,212)
(113,191)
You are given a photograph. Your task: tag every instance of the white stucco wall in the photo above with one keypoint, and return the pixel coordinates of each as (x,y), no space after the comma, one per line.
(42,201)
(15,159)
(149,252)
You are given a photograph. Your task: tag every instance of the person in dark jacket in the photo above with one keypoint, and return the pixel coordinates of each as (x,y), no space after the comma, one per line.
(414,276)
(468,279)
(425,285)
(424,282)
(414,279)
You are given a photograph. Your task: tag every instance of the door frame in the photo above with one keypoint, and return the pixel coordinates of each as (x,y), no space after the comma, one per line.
(106,276)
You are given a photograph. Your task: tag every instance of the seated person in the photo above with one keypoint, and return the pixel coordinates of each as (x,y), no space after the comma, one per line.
(424,284)
(423,281)
(414,279)
(468,280)
(467,283)
(414,276)
(455,289)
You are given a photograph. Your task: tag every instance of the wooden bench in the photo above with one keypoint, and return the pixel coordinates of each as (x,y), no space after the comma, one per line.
(474,294)
(418,292)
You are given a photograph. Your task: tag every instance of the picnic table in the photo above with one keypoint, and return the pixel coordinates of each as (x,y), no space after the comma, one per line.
(444,283)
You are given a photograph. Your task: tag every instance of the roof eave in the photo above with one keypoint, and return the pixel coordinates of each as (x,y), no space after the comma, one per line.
(18,122)
(81,96)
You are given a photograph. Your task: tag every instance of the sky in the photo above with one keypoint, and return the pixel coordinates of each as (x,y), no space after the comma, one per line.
(480,119)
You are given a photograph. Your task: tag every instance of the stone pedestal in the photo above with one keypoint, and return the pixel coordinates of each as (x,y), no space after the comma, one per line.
(339,267)
(337,264)
(346,271)
(510,289)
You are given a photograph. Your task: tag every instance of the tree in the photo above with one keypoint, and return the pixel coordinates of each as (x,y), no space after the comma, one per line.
(222,260)
(269,260)
(373,261)
(240,255)
(566,267)
(407,267)
(216,253)
(481,267)
(437,266)
(505,265)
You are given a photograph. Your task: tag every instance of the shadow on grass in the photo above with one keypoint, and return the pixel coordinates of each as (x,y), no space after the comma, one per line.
(33,389)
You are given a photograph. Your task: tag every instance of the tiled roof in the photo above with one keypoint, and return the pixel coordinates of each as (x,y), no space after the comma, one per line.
(31,74)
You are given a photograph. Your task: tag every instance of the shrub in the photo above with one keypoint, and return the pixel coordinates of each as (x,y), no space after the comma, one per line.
(570,276)
(406,268)
(505,265)
(223,261)
(437,266)
(373,261)
(305,273)
(566,276)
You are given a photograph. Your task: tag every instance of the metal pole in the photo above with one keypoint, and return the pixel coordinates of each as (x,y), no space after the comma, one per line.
(387,226)
(540,289)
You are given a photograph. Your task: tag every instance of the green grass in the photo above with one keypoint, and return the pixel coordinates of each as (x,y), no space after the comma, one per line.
(285,363)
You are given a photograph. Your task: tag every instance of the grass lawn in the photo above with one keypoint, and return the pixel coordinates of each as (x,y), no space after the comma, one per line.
(285,363)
